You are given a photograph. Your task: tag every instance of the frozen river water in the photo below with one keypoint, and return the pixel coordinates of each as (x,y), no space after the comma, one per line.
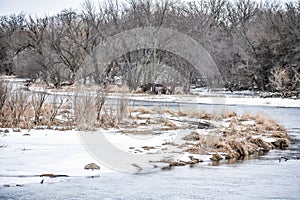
(261,178)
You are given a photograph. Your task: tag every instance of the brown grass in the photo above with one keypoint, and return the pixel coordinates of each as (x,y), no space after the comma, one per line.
(228,114)
(193,136)
(143,110)
(201,115)
(117,89)
(245,117)
(170,126)
(237,140)
(260,143)
(171,112)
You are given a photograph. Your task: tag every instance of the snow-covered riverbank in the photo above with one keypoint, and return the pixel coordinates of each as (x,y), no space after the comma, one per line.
(199,96)
(155,139)
(220,100)
(26,155)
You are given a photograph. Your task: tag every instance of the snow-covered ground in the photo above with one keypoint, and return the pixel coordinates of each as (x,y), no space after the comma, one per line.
(23,158)
(28,154)
(221,100)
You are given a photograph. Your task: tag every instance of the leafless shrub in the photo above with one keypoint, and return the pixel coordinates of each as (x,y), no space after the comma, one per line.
(85,111)
(56,102)
(122,107)
(295,80)
(99,102)
(13,107)
(109,117)
(18,105)
(38,102)
(4,92)
(279,79)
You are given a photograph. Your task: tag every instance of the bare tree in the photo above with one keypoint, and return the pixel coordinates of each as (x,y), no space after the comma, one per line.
(243,36)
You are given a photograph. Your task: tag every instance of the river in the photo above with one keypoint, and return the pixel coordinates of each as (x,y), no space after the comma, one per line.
(261,178)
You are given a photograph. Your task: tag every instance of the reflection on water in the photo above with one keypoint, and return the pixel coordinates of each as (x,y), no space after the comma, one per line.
(237,160)
(261,178)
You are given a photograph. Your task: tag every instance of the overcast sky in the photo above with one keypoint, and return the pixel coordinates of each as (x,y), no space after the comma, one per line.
(37,7)
(43,7)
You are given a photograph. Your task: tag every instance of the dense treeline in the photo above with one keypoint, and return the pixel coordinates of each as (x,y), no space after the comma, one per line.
(255,45)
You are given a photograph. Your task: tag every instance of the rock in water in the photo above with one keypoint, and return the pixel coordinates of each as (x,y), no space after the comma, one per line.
(92,166)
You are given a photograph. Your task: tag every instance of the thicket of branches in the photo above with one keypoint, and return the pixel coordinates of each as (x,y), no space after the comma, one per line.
(255,45)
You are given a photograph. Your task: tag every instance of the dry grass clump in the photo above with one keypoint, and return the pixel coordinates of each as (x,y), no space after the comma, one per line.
(235,148)
(282,134)
(117,89)
(171,112)
(143,110)
(210,141)
(225,147)
(213,115)
(194,150)
(261,144)
(281,143)
(242,148)
(205,143)
(171,126)
(180,112)
(263,119)
(163,110)
(228,114)
(267,123)
(236,140)
(233,130)
(245,117)
(108,118)
(193,136)
(234,122)
(201,115)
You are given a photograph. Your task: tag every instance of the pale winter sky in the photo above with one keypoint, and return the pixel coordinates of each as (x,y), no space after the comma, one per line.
(45,7)
(37,7)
